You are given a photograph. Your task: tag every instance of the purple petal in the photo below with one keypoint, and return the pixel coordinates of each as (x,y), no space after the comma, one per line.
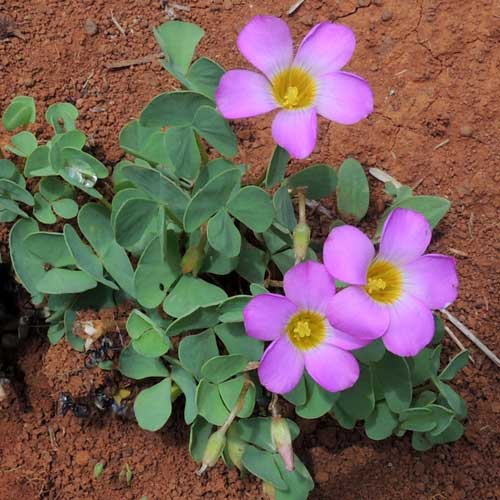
(242,93)
(353,311)
(281,366)
(411,327)
(432,279)
(309,286)
(326,48)
(267,44)
(332,368)
(347,254)
(405,236)
(295,130)
(267,315)
(344,98)
(345,341)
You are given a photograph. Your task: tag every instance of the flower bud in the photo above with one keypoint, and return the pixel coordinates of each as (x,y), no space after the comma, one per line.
(213,450)
(192,260)
(301,239)
(235,449)
(268,490)
(282,441)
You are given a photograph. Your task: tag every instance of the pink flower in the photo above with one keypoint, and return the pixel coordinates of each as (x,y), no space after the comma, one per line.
(393,293)
(302,338)
(302,86)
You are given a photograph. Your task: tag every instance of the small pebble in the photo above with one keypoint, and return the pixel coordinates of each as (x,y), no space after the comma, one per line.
(82,458)
(363,3)
(378,2)
(466,131)
(90,27)
(386,15)
(228,4)
(307,19)
(322,476)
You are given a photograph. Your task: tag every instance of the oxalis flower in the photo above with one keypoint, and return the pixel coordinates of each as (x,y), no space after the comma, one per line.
(392,294)
(301,335)
(301,86)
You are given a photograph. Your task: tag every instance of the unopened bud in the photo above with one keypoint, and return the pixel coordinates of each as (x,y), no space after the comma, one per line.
(192,260)
(235,449)
(282,441)
(213,450)
(268,490)
(301,239)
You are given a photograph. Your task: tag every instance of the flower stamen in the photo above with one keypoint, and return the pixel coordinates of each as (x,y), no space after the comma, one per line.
(294,88)
(384,282)
(306,329)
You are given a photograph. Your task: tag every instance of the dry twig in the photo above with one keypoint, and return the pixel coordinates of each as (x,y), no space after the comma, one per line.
(117,24)
(471,336)
(457,341)
(134,62)
(294,7)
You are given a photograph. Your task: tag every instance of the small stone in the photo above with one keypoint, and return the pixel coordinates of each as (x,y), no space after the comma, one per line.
(378,2)
(228,4)
(363,3)
(386,16)
(79,103)
(495,407)
(82,458)
(307,19)
(29,82)
(91,27)
(322,476)
(466,131)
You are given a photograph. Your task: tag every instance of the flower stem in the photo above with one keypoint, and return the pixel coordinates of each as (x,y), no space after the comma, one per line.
(238,406)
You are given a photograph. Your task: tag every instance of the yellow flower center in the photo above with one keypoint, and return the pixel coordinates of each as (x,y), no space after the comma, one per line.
(306,329)
(385,282)
(294,88)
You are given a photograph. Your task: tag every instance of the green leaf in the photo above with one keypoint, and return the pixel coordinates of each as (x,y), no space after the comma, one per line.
(50,248)
(230,391)
(155,274)
(443,418)
(196,350)
(319,401)
(204,317)
(178,41)
(28,268)
(210,198)
(153,406)
(38,163)
(12,190)
(381,423)
(452,433)
(173,109)
(189,294)
(456,403)
(286,260)
(277,167)
(62,116)
(425,398)
(454,366)
(353,195)
(73,139)
(9,171)
(220,368)
(148,143)
(132,219)
(421,368)
(420,442)
(198,437)
(72,157)
(231,310)
(135,366)
(359,400)
(212,169)
(43,211)
(23,144)
(343,418)
(252,206)
(394,375)
(318,180)
(94,222)
(277,239)
(223,235)
(65,281)
(139,324)
(263,465)
(183,151)
(236,341)
(216,263)
(187,385)
(283,208)
(438,330)
(252,264)
(19,113)
(373,352)
(298,395)
(433,208)
(65,208)
(416,419)
(210,404)
(204,76)
(216,131)
(159,188)
(299,482)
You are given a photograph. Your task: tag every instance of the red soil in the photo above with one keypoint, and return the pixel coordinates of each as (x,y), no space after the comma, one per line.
(434,69)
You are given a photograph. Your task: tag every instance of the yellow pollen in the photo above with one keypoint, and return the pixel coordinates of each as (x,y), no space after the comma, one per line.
(384,282)
(294,88)
(306,329)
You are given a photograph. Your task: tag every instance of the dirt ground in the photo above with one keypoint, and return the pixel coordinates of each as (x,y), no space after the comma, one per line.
(434,67)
